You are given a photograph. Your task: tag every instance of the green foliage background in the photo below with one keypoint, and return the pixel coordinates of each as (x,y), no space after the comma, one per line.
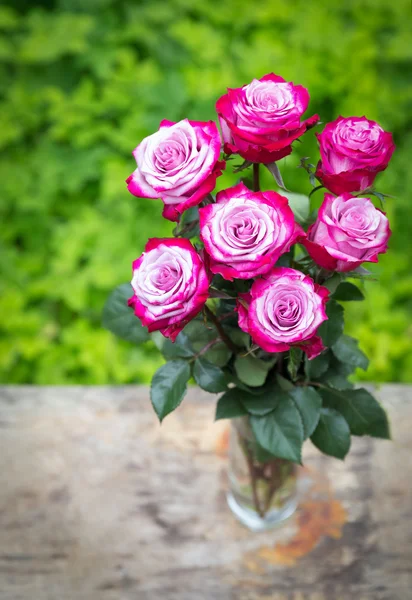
(82,81)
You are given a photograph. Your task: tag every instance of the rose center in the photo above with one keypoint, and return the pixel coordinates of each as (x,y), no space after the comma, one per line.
(355,221)
(287,312)
(267,101)
(268,97)
(244,231)
(169,154)
(164,277)
(358,135)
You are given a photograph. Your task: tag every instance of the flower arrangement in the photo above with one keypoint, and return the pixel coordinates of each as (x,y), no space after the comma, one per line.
(245,298)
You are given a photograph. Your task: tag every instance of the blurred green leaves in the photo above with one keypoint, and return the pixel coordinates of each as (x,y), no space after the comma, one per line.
(119,318)
(81,85)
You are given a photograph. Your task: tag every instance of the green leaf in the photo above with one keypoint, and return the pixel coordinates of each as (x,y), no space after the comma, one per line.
(180,348)
(336,380)
(300,206)
(309,403)
(251,370)
(199,335)
(158,339)
(244,165)
(317,366)
(260,454)
(190,215)
(229,406)
(260,404)
(294,362)
(332,435)
(169,386)
(209,377)
(347,351)
(120,319)
(232,378)
(286,259)
(347,292)
(239,337)
(281,431)
(363,413)
(361,273)
(337,374)
(333,282)
(285,384)
(332,329)
(191,232)
(219,354)
(381,197)
(189,223)
(274,170)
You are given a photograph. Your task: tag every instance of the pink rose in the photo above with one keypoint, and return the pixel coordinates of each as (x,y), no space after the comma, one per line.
(353,151)
(245,232)
(284,309)
(260,121)
(347,232)
(170,285)
(179,164)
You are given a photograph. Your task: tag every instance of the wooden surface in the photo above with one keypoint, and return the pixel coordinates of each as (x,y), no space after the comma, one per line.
(97,501)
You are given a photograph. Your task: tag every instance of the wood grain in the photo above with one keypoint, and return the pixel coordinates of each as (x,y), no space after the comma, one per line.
(99,502)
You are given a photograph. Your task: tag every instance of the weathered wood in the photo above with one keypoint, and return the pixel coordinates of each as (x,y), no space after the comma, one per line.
(97,501)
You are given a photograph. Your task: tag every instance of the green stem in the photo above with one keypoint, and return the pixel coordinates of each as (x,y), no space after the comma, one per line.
(315,189)
(256,182)
(224,337)
(271,487)
(252,473)
(310,383)
(205,349)
(280,363)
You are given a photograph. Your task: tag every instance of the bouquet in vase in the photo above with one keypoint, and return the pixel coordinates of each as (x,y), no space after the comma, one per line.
(245,297)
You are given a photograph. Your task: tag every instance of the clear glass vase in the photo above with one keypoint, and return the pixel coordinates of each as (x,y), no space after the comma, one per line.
(262,489)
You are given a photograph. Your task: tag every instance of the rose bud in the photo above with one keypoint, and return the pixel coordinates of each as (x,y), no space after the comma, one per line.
(353,151)
(283,310)
(347,232)
(179,164)
(170,285)
(246,232)
(260,120)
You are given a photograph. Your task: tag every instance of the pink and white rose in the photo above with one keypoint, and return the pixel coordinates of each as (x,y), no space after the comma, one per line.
(348,232)
(246,232)
(284,309)
(353,151)
(170,284)
(179,164)
(260,120)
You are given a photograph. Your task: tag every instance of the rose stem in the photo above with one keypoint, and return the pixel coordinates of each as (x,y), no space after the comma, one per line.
(225,338)
(252,473)
(280,363)
(274,480)
(256,185)
(205,349)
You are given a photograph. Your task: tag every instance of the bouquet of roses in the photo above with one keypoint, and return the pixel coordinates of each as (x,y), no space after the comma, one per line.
(245,298)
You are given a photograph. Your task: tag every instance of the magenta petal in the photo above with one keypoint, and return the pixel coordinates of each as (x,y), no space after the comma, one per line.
(353,151)
(137,185)
(243,299)
(320,255)
(258,135)
(172,212)
(312,347)
(173,286)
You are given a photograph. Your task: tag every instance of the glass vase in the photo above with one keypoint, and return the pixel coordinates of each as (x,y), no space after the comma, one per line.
(262,489)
